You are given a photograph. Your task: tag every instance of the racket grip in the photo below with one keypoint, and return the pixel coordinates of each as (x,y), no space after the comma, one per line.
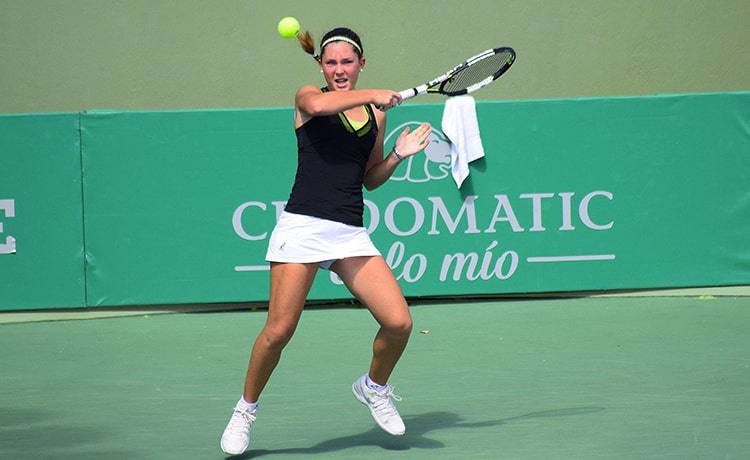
(382,109)
(411,92)
(408,93)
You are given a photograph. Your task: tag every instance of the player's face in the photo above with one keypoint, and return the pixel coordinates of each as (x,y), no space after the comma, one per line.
(341,66)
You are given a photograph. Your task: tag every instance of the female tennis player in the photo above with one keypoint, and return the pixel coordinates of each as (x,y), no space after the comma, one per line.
(340,133)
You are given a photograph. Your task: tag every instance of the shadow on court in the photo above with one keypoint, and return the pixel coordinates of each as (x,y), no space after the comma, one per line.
(417,428)
(38,435)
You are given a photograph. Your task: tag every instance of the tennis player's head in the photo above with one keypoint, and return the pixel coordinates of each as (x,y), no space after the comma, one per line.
(341,57)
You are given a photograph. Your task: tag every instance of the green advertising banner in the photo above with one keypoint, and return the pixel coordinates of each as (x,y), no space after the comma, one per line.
(41,221)
(161,192)
(578,195)
(571,195)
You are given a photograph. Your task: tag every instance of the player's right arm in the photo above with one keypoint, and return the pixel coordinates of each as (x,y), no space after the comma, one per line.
(311,102)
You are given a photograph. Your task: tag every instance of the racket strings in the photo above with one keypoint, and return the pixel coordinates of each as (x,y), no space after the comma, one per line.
(477,72)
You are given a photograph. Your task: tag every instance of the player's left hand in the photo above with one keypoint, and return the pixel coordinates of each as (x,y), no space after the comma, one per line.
(411,142)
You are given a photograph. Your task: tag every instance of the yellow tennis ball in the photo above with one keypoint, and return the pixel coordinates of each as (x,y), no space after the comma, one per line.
(288,27)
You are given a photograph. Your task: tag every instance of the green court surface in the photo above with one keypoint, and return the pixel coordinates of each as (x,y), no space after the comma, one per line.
(626,377)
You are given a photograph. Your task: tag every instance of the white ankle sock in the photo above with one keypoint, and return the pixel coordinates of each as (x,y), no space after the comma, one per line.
(374,386)
(242,404)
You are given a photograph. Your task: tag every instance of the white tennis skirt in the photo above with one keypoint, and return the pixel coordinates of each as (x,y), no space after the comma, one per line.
(306,239)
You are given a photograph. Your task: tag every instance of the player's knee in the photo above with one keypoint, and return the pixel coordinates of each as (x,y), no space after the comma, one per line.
(407,326)
(401,327)
(277,337)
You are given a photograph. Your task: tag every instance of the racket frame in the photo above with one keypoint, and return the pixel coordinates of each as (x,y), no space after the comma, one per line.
(435,86)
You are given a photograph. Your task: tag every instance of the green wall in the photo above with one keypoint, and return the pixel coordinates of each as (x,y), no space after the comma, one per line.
(114,208)
(75,55)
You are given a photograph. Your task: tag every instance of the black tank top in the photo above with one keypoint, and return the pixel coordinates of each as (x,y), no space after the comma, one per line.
(331,161)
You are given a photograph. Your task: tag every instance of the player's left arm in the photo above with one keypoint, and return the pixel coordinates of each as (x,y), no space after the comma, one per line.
(380,168)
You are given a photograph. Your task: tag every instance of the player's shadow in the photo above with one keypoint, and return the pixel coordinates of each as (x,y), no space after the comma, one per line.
(415,438)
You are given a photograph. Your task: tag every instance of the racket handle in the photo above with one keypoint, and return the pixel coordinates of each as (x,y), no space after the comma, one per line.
(411,92)
(408,94)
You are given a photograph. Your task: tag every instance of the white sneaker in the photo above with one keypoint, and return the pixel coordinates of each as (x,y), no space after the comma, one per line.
(380,405)
(236,436)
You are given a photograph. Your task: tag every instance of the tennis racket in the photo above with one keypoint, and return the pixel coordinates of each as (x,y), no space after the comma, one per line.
(469,76)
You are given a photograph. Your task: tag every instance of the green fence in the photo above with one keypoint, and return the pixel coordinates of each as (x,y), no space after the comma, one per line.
(572,195)
(41,218)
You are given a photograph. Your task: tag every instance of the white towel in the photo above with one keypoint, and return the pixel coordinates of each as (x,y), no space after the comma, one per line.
(461,126)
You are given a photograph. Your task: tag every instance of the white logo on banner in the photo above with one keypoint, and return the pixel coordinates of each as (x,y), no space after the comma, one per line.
(435,164)
(9,244)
